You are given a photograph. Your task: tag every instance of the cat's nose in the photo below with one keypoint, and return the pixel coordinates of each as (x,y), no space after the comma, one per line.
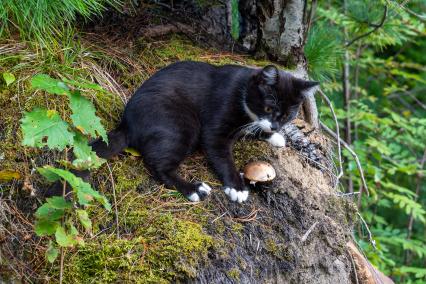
(274,126)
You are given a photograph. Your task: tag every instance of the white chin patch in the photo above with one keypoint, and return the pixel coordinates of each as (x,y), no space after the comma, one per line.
(276,140)
(265,125)
(234,195)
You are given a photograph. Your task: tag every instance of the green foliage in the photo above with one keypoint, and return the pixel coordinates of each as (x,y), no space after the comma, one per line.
(324,53)
(387,114)
(51,252)
(84,117)
(46,20)
(8,78)
(42,127)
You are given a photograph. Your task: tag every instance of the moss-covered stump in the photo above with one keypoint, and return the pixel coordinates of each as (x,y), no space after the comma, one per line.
(293,230)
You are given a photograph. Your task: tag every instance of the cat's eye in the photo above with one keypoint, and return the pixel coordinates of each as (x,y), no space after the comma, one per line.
(268,109)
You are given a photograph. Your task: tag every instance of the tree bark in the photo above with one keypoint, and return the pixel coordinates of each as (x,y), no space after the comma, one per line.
(276,29)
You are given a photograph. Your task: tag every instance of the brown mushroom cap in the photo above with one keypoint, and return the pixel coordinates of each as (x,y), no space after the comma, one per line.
(259,172)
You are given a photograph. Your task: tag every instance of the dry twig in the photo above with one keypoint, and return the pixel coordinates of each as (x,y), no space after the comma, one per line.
(339,150)
(361,172)
(115,200)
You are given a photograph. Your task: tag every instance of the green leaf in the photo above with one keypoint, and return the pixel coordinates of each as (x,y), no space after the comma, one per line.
(84,85)
(41,124)
(44,227)
(86,158)
(84,117)
(85,192)
(59,202)
(47,212)
(51,252)
(63,239)
(9,78)
(50,85)
(83,216)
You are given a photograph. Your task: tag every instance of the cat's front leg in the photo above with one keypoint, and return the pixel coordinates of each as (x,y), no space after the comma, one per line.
(220,158)
(276,139)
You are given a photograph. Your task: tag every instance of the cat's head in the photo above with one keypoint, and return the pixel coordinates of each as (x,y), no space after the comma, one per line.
(274,97)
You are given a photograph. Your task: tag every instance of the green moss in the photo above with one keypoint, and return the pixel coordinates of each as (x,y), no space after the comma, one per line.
(237,228)
(278,249)
(167,250)
(234,273)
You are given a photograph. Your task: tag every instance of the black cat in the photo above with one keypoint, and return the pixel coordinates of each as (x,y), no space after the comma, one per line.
(190,105)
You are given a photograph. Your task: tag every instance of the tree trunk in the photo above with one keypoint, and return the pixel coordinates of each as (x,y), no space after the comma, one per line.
(272,29)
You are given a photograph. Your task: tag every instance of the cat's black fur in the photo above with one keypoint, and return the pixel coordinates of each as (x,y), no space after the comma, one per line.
(192,105)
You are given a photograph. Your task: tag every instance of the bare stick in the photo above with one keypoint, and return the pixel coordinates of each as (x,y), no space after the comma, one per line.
(308,232)
(339,150)
(354,266)
(358,164)
(370,236)
(61,271)
(115,200)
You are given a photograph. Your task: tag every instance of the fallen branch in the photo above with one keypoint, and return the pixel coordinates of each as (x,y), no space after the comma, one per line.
(358,164)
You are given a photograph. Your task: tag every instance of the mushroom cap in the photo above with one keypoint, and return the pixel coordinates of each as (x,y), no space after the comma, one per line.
(259,172)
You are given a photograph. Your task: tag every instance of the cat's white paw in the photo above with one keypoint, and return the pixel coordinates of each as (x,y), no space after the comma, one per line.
(194,197)
(234,195)
(202,192)
(276,140)
(204,188)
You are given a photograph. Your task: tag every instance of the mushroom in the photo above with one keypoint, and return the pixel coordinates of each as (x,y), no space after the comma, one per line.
(259,172)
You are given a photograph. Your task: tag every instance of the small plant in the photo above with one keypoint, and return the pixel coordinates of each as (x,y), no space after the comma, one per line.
(47,128)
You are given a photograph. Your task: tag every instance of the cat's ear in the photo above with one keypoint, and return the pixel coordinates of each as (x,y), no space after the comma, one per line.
(305,87)
(269,75)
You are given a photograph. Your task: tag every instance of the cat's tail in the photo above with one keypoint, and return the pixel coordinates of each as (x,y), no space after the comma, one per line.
(117,142)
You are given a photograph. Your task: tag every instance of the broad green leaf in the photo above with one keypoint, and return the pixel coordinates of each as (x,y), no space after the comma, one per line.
(43,127)
(63,238)
(51,252)
(84,219)
(85,192)
(44,227)
(59,202)
(9,78)
(47,212)
(86,158)
(84,117)
(50,85)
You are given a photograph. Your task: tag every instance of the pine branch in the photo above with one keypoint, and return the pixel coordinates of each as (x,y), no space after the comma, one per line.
(376,27)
